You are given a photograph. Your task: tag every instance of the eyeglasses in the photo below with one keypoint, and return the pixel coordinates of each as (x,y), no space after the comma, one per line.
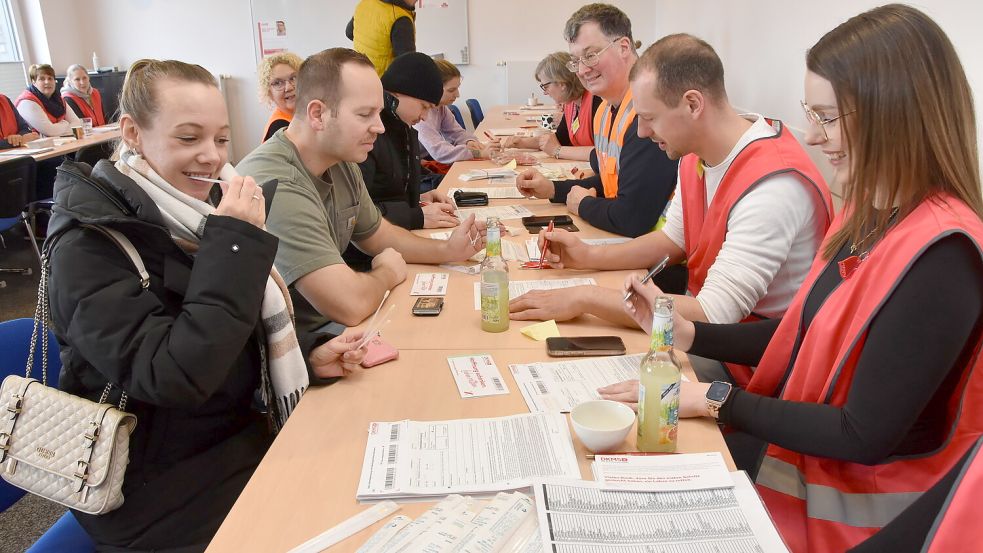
(280,84)
(819,120)
(544,85)
(590,60)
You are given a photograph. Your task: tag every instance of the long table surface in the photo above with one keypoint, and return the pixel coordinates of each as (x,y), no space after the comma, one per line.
(307,482)
(72,146)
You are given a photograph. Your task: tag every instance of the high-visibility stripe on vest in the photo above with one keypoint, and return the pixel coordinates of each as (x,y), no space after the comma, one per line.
(26,95)
(957,528)
(705,226)
(93,111)
(8,120)
(821,504)
(373,23)
(277,115)
(609,137)
(580,124)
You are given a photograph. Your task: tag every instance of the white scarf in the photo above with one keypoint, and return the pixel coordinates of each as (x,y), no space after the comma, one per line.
(283,364)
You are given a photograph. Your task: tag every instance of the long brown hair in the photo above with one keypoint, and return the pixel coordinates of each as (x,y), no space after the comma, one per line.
(912,132)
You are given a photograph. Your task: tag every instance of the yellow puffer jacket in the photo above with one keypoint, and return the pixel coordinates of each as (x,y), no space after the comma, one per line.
(373,23)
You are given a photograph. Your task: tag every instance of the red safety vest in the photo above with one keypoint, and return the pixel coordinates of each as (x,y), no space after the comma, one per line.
(26,95)
(821,504)
(579,121)
(8,121)
(705,227)
(957,528)
(92,111)
(277,115)
(609,137)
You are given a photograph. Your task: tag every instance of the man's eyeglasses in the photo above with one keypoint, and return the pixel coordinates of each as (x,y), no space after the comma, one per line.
(590,60)
(280,84)
(544,85)
(819,120)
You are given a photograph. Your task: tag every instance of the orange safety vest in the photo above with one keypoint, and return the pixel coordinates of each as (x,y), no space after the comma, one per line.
(957,527)
(705,227)
(277,115)
(8,121)
(579,121)
(93,111)
(609,137)
(26,95)
(821,504)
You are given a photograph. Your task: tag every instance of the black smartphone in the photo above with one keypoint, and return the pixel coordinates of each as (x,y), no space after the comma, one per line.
(470,199)
(428,306)
(269,190)
(583,346)
(542,221)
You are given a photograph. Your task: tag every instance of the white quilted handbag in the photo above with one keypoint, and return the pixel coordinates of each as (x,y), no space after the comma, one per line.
(62,447)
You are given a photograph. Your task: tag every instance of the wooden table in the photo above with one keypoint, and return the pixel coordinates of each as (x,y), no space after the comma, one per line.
(70,147)
(308,480)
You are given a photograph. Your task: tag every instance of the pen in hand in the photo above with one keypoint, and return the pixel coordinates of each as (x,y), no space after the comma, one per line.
(655,270)
(546,244)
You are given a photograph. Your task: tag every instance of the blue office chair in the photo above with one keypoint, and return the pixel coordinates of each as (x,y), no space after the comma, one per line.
(457,115)
(475,108)
(15,343)
(64,536)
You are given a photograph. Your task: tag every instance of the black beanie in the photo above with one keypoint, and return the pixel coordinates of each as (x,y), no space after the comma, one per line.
(414,74)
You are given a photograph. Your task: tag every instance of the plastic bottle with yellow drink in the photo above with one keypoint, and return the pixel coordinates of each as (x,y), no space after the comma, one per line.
(658,385)
(494,282)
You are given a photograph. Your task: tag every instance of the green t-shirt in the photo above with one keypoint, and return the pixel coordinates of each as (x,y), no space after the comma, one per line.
(315,217)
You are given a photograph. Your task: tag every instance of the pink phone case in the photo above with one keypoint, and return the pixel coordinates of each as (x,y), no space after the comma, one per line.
(378,352)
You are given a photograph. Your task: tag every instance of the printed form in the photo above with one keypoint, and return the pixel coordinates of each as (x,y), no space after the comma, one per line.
(426,459)
(557,387)
(578,517)
(519,287)
(503,212)
(494,192)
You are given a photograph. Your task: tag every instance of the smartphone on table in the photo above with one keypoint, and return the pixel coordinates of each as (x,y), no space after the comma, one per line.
(584,346)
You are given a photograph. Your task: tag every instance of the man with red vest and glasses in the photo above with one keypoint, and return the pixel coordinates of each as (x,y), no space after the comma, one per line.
(633,178)
(868,390)
(749,212)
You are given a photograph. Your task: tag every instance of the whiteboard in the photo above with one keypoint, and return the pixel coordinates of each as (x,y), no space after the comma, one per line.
(442,29)
(310,26)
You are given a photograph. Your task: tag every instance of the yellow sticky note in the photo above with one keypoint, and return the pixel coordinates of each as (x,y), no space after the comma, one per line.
(541,331)
(511,165)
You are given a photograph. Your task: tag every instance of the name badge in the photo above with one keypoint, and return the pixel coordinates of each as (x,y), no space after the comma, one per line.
(575,125)
(351,223)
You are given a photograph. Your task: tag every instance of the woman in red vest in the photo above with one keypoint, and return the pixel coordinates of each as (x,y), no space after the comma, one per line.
(868,390)
(278,88)
(42,106)
(79,94)
(574,137)
(14,131)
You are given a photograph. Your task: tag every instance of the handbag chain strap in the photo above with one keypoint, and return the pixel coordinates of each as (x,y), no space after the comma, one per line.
(42,314)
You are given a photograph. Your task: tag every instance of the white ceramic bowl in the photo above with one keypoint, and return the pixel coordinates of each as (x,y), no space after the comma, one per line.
(602,424)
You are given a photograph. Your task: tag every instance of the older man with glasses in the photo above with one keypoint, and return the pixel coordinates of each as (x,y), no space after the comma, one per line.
(634,178)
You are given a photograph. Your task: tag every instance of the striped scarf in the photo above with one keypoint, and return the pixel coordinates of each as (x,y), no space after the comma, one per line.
(283,370)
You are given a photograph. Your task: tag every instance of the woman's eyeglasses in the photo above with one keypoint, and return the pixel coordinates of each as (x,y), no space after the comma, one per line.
(544,85)
(280,84)
(813,117)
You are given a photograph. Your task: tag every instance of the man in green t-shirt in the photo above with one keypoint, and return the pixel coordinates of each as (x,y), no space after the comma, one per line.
(321,202)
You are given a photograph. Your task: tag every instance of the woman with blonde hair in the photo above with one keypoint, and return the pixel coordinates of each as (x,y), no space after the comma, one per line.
(84,99)
(204,349)
(278,88)
(867,392)
(574,137)
(42,106)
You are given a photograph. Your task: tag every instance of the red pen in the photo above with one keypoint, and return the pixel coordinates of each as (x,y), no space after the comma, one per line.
(546,244)
(490,137)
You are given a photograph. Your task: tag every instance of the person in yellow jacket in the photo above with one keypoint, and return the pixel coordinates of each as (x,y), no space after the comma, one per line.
(383,29)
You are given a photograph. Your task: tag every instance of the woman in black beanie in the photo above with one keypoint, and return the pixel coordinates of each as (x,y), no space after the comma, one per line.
(412,86)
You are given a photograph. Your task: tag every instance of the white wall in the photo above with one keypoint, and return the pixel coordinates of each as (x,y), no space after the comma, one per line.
(762,44)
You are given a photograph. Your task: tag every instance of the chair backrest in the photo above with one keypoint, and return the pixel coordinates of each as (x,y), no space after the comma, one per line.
(94,152)
(15,343)
(17,178)
(475,108)
(457,115)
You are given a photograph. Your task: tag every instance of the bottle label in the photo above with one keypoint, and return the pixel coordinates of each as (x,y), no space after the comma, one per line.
(669,413)
(661,331)
(490,309)
(641,406)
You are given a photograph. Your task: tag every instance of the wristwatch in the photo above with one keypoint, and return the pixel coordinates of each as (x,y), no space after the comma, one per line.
(717,394)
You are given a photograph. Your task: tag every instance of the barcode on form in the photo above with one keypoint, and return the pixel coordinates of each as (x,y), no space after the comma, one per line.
(498,384)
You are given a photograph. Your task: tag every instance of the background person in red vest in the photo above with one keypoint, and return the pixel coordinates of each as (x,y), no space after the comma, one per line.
(633,178)
(574,137)
(278,88)
(868,389)
(749,211)
(79,95)
(42,106)
(14,131)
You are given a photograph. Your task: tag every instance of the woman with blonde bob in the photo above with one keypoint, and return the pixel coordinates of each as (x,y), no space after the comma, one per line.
(278,89)
(867,392)
(574,137)
(205,352)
